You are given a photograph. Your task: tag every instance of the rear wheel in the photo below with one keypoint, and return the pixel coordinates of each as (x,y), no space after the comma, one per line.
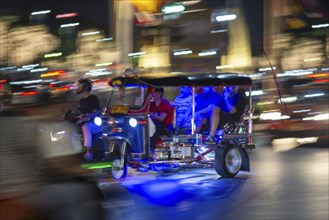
(228,164)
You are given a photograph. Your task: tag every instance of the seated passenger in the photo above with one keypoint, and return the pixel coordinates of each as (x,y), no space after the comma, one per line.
(205,102)
(230,110)
(182,103)
(161,114)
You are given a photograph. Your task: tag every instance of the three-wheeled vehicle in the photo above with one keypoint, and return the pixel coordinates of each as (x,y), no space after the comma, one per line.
(127,128)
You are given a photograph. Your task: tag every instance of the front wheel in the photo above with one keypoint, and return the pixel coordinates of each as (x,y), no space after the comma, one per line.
(229,162)
(117,172)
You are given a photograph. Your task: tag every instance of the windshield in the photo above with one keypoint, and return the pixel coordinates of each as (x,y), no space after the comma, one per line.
(132,96)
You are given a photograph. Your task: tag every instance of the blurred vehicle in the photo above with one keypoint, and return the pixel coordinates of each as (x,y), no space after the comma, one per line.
(65,136)
(303,113)
(28,92)
(58,89)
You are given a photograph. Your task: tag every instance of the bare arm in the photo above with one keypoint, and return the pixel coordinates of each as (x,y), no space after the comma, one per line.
(159,117)
(205,110)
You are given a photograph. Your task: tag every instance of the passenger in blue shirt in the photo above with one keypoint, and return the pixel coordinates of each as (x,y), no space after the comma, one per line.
(205,103)
(230,109)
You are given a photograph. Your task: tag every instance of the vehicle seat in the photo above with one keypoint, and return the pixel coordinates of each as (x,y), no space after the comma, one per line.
(238,127)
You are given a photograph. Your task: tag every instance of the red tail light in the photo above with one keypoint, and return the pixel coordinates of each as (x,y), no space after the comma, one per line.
(27,93)
(63,88)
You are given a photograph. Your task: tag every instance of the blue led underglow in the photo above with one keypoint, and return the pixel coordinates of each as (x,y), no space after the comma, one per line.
(164,192)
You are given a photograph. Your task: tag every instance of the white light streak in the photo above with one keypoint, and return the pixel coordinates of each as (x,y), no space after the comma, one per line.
(52,55)
(288,99)
(208,53)
(39,70)
(30,66)
(320,25)
(104,39)
(301,111)
(70,25)
(40,12)
(221,18)
(255,93)
(218,31)
(223,67)
(103,64)
(266,69)
(90,33)
(313,95)
(312,59)
(319,117)
(136,54)
(184,52)
(167,9)
(25,82)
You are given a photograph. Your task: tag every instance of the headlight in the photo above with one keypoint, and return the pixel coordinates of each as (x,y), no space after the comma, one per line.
(98,121)
(133,122)
(57,136)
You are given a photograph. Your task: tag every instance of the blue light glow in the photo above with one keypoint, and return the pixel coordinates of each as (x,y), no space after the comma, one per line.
(164,192)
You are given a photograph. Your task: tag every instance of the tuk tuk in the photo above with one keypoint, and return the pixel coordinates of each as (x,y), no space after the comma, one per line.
(127,128)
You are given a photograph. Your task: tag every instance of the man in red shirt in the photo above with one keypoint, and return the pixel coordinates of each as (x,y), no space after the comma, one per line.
(161,114)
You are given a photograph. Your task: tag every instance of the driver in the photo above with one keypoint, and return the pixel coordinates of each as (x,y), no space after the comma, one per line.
(89,108)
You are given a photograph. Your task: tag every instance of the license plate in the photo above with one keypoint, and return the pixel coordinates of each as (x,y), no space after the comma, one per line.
(119,109)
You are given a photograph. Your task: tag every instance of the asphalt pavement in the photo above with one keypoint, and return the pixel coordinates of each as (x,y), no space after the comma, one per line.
(285,182)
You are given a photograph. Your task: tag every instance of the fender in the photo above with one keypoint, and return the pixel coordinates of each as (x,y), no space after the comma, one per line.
(245,166)
(125,150)
(115,138)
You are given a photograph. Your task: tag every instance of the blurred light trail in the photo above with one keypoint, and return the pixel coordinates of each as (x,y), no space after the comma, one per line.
(40,12)
(313,95)
(184,52)
(69,25)
(39,70)
(67,15)
(90,33)
(221,18)
(103,64)
(208,53)
(223,67)
(30,66)
(173,8)
(104,39)
(52,55)
(320,25)
(136,54)
(218,31)
(266,69)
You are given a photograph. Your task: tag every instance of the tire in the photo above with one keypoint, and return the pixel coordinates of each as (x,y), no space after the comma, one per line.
(115,172)
(229,163)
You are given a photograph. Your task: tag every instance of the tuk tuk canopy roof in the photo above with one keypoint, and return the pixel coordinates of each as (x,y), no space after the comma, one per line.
(214,79)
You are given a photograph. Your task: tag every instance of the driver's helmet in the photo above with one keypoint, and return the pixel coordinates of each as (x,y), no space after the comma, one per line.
(83,84)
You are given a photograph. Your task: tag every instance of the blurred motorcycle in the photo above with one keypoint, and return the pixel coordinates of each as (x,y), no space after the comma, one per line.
(65,137)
